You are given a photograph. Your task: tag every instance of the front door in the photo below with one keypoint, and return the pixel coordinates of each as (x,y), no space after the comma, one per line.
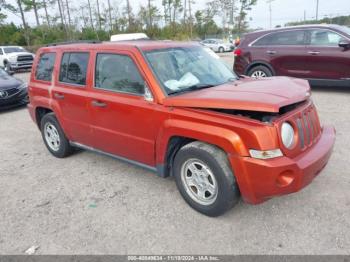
(326,60)
(123,122)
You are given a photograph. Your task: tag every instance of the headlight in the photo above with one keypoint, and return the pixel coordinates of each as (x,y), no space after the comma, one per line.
(287,134)
(13,58)
(22,86)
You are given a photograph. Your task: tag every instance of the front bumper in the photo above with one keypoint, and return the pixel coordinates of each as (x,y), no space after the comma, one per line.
(21,98)
(260,180)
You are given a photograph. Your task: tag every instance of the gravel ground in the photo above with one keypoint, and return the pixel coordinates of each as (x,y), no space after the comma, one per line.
(92,204)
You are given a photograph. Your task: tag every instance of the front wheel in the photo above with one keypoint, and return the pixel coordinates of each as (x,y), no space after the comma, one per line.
(204,178)
(7,67)
(221,50)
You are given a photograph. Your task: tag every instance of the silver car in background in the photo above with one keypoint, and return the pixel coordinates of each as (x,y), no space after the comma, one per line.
(218,45)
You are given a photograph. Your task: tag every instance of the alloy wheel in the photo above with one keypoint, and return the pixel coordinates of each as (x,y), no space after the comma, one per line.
(258,74)
(199,182)
(52,136)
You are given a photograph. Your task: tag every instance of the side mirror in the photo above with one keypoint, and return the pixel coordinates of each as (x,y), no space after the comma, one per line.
(344,44)
(148,95)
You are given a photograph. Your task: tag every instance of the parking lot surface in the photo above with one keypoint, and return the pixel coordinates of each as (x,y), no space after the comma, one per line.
(93,204)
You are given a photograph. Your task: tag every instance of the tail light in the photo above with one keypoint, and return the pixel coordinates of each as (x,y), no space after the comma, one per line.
(238,52)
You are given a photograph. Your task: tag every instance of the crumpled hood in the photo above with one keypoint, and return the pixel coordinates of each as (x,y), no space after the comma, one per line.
(265,95)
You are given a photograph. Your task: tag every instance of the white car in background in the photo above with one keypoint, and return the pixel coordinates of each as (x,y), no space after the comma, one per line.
(13,58)
(217,45)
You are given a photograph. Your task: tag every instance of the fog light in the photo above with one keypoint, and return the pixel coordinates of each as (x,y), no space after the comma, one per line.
(285,178)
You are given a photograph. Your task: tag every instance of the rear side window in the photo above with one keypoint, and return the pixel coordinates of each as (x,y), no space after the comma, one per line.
(1,53)
(73,68)
(282,38)
(118,73)
(45,67)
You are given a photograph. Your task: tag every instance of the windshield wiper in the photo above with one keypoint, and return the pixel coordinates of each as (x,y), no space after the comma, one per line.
(191,88)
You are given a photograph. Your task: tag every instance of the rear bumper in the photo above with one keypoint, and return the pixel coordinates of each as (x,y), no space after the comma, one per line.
(240,65)
(31,111)
(260,180)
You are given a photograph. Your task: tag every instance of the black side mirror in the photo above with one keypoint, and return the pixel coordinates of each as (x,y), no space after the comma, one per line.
(344,44)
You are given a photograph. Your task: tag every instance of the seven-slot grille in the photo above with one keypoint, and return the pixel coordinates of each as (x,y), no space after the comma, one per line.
(24,58)
(308,125)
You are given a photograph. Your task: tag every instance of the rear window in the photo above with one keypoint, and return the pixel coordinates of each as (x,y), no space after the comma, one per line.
(282,38)
(45,67)
(73,68)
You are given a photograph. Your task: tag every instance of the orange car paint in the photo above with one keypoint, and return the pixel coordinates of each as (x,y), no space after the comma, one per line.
(136,129)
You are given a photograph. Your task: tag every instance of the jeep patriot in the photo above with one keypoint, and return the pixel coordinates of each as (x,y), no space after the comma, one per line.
(177,110)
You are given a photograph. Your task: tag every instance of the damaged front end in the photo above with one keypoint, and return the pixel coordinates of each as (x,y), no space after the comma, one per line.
(266,117)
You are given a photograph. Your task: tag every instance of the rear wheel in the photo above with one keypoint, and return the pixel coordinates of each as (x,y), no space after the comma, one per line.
(204,178)
(53,136)
(260,72)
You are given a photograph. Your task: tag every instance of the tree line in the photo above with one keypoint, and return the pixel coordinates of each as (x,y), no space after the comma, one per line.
(339,20)
(64,20)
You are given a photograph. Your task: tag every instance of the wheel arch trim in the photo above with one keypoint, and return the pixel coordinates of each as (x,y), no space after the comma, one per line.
(46,103)
(225,139)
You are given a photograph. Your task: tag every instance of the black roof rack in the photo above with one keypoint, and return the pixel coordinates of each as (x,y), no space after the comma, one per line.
(76,42)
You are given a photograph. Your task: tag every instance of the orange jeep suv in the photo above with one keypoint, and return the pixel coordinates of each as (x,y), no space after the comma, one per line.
(175,109)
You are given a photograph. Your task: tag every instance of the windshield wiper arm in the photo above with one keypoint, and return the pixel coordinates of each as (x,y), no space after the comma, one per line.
(191,88)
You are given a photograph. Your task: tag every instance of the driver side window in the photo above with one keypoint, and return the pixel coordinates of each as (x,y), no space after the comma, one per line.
(325,38)
(118,73)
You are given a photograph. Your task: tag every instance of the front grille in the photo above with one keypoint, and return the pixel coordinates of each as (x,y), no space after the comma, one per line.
(12,92)
(308,126)
(22,58)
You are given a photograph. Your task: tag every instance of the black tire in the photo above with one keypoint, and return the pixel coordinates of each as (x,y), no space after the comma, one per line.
(7,67)
(221,50)
(64,148)
(260,68)
(228,192)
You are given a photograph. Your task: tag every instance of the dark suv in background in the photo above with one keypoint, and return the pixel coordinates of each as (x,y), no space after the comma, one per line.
(319,53)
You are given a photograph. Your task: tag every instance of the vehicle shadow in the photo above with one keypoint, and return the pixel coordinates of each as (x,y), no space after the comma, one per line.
(6,110)
(339,89)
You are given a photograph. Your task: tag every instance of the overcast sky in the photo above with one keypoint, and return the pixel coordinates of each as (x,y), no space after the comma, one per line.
(283,11)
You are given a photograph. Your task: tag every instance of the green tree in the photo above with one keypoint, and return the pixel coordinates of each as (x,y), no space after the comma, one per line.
(245,6)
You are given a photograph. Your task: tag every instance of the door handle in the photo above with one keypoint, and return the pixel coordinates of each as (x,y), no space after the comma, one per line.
(271,52)
(58,96)
(313,52)
(98,103)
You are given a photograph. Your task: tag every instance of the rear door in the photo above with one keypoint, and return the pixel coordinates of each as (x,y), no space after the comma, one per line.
(70,91)
(285,51)
(326,60)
